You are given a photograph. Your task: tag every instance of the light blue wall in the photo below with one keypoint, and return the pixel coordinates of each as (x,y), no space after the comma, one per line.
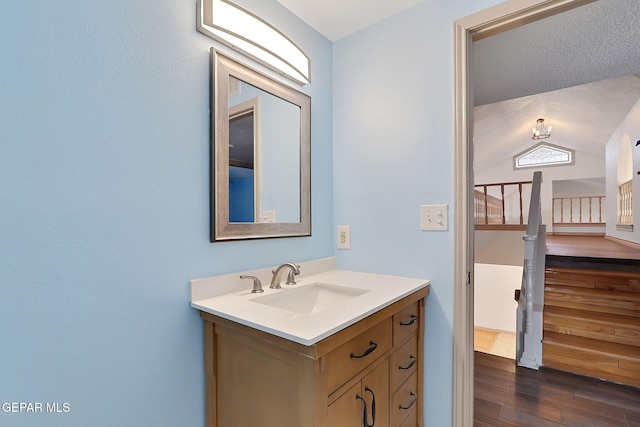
(393,151)
(104,216)
(104,194)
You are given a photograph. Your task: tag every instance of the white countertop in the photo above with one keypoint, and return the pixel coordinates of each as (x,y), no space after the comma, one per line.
(380,291)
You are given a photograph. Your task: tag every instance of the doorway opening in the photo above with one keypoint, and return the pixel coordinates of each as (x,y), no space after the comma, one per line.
(495,20)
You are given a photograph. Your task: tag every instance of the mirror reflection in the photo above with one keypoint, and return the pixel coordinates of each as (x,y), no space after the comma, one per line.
(264,156)
(260,156)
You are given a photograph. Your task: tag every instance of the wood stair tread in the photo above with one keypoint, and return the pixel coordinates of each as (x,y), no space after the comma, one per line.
(603,293)
(626,303)
(593,346)
(594,317)
(594,279)
(592,272)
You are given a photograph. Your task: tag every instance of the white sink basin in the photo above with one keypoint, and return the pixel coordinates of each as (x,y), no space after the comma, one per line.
(311,298)
(320,304)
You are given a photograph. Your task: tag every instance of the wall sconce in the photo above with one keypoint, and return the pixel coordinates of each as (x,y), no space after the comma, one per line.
(246,33)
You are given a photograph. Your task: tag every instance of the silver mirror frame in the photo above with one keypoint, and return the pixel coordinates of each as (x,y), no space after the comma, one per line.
(220,228)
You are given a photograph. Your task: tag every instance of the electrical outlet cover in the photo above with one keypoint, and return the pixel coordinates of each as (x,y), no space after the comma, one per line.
(344,237)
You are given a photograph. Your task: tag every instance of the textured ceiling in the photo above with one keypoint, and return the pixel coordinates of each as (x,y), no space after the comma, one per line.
(583,118)
(593,42)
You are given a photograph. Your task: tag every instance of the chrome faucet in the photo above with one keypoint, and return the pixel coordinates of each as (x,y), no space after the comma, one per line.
(277,274)
(257,286)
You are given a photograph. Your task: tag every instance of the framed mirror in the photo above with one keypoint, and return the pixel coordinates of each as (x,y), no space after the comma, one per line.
(260,155)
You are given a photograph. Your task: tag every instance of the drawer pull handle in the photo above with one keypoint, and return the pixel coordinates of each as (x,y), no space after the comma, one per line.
(372,346)
(413,320)
(413,402)
(410,365)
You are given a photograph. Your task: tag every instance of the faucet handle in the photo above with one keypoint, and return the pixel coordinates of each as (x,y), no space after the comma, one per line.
(291,279)
(257,285)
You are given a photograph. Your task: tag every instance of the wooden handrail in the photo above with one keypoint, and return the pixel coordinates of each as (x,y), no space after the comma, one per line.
(504,183)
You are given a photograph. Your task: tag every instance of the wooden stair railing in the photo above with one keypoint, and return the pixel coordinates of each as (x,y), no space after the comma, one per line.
(578,211)
(492,208)
(592,323)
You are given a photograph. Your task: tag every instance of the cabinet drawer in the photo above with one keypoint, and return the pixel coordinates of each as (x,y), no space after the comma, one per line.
(404,362)
(405,323)
(350,358)
(404,400)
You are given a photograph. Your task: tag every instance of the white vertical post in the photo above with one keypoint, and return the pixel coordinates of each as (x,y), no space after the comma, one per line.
(529,328)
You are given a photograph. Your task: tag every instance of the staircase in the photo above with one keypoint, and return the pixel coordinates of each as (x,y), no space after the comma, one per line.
(592,323)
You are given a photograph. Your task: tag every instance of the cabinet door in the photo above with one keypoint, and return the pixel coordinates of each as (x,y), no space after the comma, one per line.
(366,404)
(375,389)
(346,411)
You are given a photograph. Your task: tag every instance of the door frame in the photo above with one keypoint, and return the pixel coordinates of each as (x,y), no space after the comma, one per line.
(494,20)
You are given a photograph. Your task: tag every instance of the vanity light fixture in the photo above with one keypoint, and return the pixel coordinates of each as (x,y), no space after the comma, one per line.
(246,33)
(541,131)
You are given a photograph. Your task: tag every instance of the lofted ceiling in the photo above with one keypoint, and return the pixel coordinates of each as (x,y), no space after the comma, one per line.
(554,68)
(579,70)
(583,118)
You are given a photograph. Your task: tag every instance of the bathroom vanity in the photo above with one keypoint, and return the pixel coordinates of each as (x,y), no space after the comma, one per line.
(352,358)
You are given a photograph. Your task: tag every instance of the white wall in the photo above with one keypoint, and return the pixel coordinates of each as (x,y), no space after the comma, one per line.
(494,305)
(586,166)
(579,187)
(629,130)
(501,247)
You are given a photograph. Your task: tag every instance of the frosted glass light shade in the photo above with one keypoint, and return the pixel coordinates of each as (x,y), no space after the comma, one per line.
(242,31)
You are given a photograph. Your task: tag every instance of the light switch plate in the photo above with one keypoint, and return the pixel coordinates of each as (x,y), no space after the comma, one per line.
(434,217)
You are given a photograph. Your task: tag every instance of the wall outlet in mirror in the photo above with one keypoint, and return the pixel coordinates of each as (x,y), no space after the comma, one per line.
(269,217)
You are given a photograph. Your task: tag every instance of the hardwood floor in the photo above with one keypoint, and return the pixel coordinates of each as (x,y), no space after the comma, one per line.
(498,343)
(507,395)
(590,247)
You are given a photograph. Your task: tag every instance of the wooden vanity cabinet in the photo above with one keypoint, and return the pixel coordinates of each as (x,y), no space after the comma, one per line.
(254,378)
